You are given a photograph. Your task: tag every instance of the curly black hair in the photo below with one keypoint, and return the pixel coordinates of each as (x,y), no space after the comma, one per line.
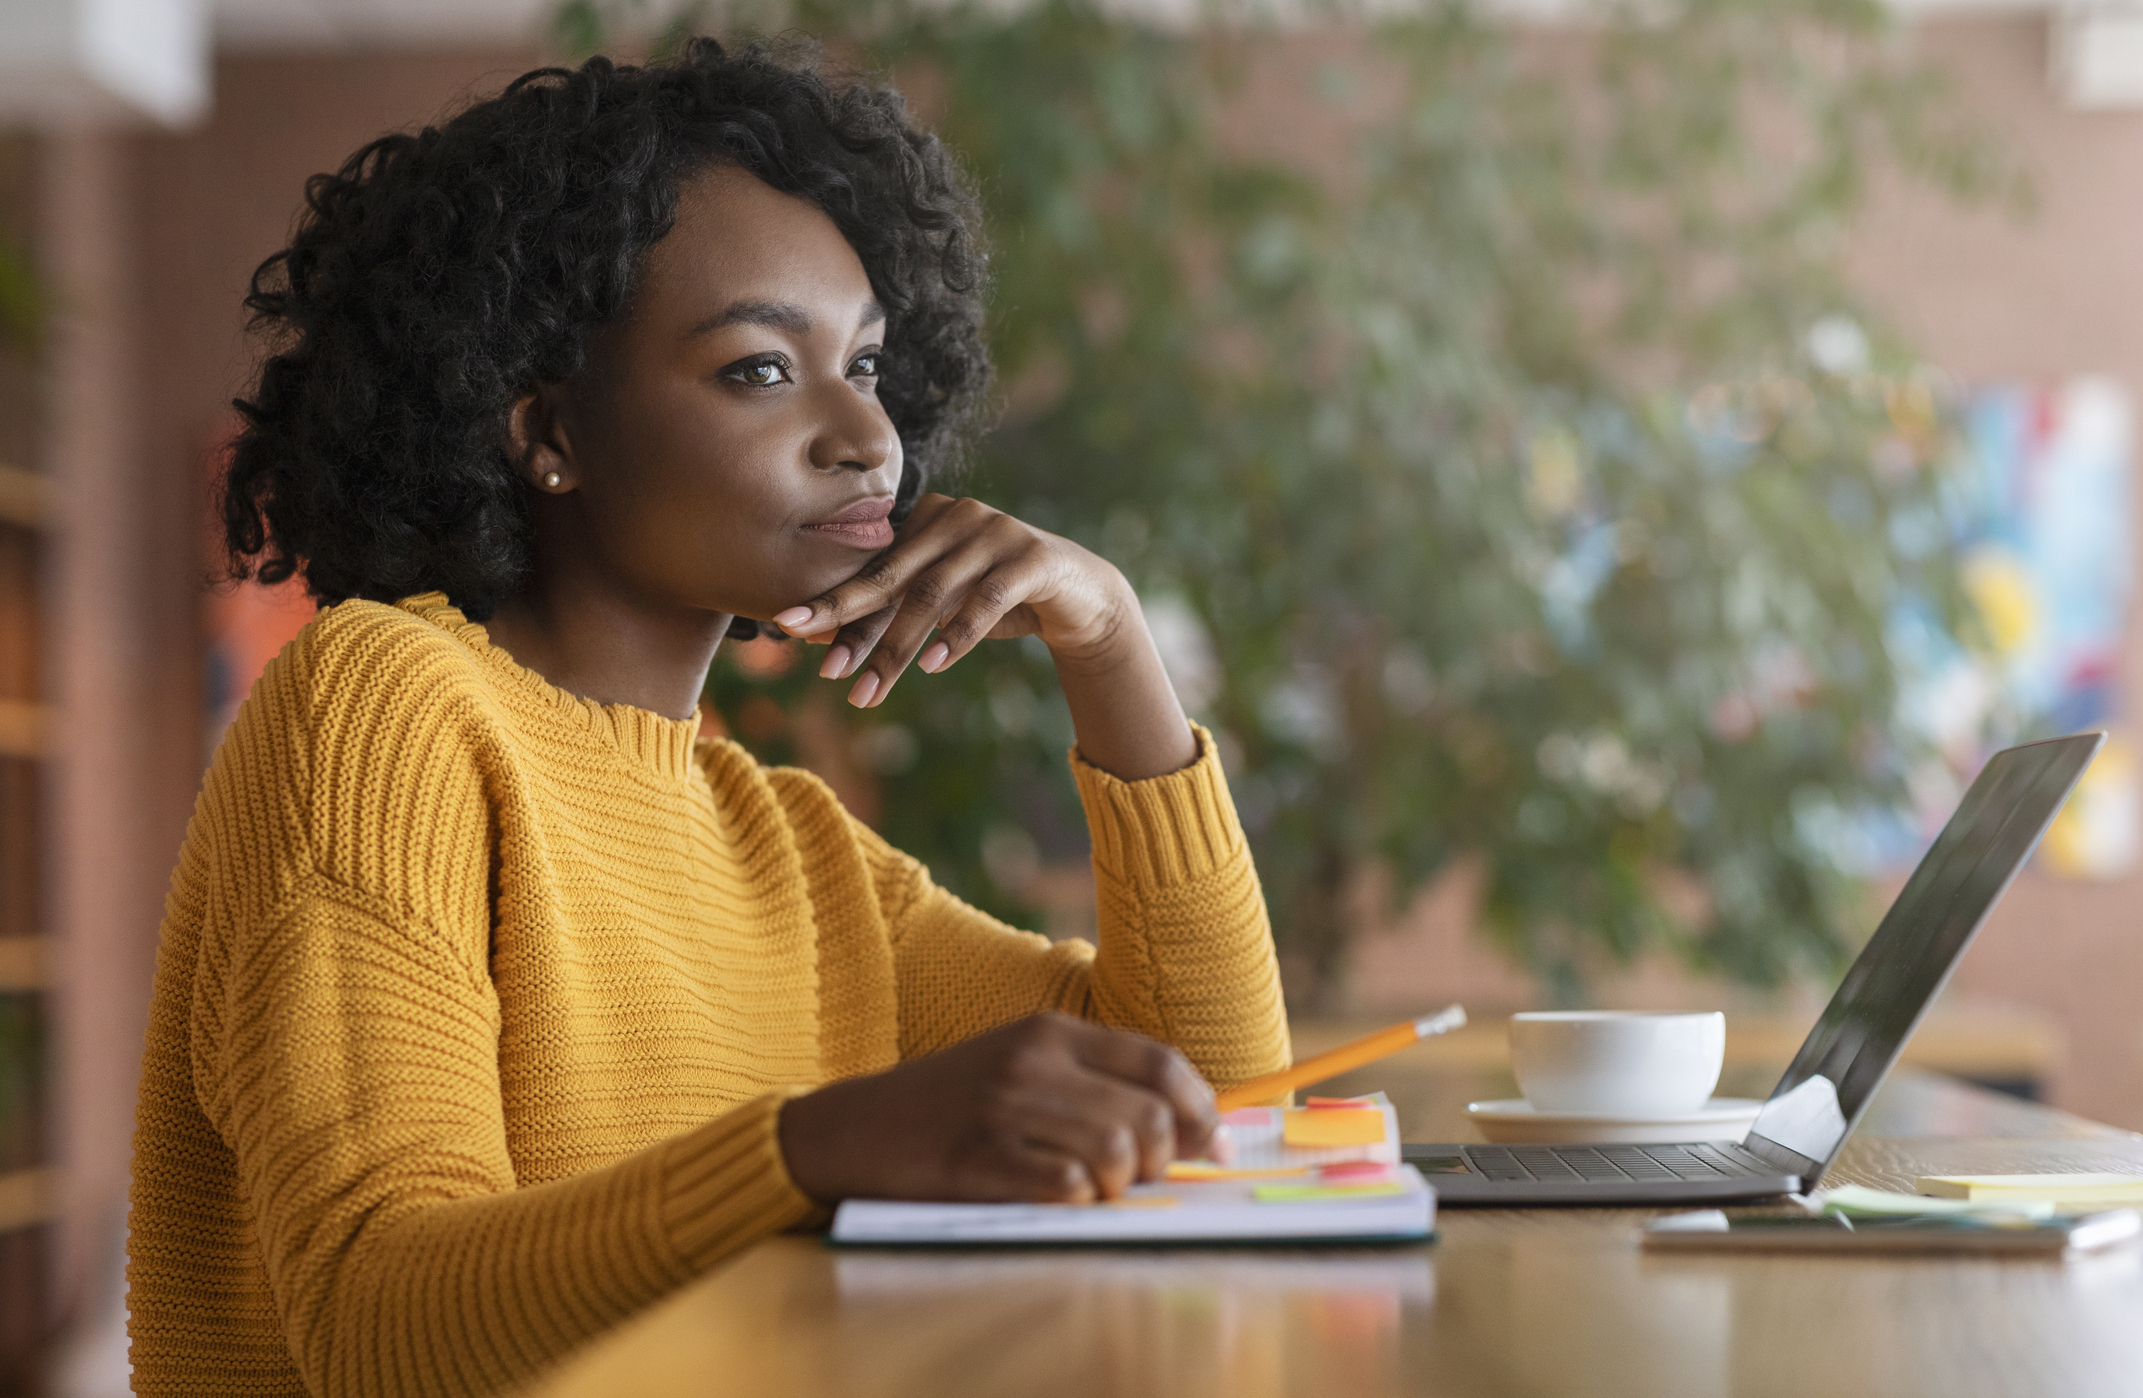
(438,277)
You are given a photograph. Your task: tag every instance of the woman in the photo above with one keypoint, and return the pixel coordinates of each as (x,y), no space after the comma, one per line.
(490,1006)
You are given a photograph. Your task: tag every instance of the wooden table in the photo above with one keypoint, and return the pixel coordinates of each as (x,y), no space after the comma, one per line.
(1509,1301)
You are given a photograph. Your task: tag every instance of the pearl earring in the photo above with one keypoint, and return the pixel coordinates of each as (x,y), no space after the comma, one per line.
(550,481)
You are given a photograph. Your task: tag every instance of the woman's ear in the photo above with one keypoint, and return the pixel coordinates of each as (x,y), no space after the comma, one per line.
(536,443)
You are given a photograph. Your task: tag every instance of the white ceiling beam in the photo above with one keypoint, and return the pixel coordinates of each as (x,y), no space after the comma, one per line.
(2096,55)
(72,61)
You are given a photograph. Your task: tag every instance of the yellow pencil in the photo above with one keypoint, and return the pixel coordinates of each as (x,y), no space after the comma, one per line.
(1330,1064)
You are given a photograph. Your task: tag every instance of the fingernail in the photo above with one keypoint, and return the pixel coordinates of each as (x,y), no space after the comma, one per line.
(866,688)
(1222,1146)
(792,618)
(836,661)
(934,657)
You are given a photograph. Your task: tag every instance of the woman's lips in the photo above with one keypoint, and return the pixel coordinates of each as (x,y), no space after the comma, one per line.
(863,525)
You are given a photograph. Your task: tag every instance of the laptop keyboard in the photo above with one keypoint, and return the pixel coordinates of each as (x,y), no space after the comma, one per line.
(1648,1164)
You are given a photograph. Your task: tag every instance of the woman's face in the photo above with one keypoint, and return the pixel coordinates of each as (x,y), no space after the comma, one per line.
(727,448)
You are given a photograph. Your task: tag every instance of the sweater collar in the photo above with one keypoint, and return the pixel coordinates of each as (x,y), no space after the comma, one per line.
(641,736)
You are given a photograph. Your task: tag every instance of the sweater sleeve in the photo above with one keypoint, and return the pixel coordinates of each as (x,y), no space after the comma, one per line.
(350,1060)
(1185,955)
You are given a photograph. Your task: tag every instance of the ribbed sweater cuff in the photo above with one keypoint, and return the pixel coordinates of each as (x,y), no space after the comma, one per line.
(725,1185)
(1164,831)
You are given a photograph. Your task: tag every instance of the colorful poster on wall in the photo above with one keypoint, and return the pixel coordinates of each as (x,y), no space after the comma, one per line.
(2042,520)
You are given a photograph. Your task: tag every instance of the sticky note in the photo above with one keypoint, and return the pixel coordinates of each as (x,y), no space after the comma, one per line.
(1318,1129)
(1248,1116)
(2067,1188)
(1193,1170)
(1327,1103)
(1355,1172)
(1307,1193)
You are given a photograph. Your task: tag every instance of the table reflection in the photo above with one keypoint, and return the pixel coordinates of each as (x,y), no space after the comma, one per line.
(1219,1322)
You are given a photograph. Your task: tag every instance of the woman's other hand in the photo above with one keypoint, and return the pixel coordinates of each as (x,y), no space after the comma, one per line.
(1048,1109)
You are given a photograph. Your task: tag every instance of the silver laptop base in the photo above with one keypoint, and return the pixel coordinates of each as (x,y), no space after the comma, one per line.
(1596,1175)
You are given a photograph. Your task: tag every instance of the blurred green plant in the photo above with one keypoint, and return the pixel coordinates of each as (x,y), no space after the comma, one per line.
(1518,479)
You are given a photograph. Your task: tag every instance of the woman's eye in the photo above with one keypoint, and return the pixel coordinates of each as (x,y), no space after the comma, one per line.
(864,367)
(759,373)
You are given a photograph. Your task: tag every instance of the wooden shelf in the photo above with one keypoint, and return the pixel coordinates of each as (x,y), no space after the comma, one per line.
(25,498)
(25,1198)
(22,964)
(25,728)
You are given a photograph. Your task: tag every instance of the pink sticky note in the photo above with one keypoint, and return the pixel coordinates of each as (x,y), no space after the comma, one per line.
(1355,1172)
(1249,1116)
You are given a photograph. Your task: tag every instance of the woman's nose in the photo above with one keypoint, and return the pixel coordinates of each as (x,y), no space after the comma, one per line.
(856,435)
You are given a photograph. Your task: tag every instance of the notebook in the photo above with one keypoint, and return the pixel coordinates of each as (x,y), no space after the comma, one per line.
(1325,1173)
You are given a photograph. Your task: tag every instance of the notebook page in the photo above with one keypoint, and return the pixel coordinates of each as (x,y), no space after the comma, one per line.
(1165,1211)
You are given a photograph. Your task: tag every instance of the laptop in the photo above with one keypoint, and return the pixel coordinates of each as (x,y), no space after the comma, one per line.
(1849,1052)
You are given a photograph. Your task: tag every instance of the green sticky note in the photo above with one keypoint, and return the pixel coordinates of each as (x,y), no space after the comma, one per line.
(1307,1193)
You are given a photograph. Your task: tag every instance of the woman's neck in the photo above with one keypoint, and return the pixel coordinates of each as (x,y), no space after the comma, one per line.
(591,641)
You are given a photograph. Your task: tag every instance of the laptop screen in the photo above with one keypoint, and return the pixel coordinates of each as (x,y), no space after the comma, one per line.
(1897,974)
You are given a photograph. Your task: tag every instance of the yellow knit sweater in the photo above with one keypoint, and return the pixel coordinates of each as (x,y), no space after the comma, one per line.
(477,1002)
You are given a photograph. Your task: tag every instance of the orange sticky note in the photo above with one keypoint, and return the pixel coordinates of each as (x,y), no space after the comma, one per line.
(1307,1128)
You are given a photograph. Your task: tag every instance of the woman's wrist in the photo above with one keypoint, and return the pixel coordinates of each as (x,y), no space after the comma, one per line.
(1112,639)
(1124,709)
(806,1132)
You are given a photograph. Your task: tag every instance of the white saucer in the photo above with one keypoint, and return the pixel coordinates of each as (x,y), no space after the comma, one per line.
(1516,1122)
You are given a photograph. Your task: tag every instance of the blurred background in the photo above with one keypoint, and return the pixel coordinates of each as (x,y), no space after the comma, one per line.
(1606,479)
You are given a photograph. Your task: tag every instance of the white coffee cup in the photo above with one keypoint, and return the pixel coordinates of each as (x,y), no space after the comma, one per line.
(1617,1062)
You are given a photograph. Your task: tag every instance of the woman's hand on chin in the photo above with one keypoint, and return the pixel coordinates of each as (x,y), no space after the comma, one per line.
(1047,1109)
(970,573)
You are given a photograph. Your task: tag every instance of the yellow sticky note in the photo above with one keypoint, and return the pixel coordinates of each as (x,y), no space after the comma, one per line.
(2062,1189)
(1198,1170)
(1310,1128)
(1310,1193)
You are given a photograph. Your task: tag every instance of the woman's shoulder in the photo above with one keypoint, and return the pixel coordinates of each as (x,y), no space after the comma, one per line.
(373,651)
(358,660)
(361,759)
(367,681)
